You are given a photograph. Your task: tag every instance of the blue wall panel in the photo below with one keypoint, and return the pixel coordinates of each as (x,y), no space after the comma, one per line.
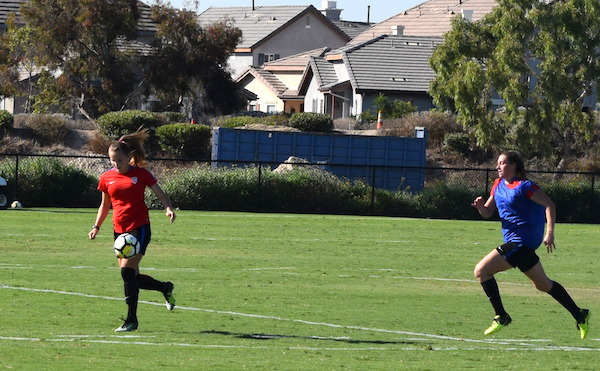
(389,155)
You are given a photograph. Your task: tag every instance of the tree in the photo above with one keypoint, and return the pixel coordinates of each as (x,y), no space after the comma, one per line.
(80,38)
(392,110)
(190,61)
(541,58)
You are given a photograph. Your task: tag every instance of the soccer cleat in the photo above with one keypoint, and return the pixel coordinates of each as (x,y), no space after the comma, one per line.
(497,324)
(169,296)
(127,326)
(583,324)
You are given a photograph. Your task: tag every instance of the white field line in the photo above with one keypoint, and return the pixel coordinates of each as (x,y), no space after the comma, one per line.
(23,266)
(524,344)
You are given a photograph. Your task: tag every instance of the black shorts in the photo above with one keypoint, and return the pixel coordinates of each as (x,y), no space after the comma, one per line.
(519,256)
(142,234)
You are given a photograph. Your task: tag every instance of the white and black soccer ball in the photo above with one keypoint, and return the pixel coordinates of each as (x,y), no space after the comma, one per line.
(126,246)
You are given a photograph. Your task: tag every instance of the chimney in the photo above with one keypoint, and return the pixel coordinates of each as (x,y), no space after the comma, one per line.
(329,9)
(398,30)
(467,15)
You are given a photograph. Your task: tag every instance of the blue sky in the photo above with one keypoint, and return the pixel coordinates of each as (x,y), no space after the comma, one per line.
(353,10)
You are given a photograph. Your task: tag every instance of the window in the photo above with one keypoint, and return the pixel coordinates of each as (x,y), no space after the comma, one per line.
(267,57)
(271,108)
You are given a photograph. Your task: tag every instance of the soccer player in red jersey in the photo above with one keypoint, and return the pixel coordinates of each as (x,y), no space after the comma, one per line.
(124,187)
(525,211)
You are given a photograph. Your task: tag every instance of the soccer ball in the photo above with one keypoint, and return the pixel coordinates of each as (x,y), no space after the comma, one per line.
(16,205)
(126,246)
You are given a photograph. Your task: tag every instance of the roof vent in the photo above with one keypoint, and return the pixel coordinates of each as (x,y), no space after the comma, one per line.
(398,30)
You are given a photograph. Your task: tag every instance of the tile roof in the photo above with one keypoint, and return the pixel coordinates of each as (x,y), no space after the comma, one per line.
(7,7)
(145,25)
(269,79)
(258,24)
(352,29)
(387,63)
(324,71)
(296,62)
(431,18)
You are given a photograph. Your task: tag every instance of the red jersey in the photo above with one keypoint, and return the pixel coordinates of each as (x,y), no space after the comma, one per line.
(127,194)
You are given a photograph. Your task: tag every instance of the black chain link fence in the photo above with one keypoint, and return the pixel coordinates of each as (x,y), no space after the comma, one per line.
(56,180)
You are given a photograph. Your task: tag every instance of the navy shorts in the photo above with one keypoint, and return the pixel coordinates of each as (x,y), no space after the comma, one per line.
(518,255)
(142,234)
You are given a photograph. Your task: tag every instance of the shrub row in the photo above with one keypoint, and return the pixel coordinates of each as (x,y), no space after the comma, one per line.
(167,131)
(7,121)
(303,121)
(48,182)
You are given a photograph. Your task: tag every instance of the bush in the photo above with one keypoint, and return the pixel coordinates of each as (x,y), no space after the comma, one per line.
(573,201)
(48,128)
(310,121)
(7,121)
(237,121)
(185,140)
(300,190)
(113,125)
(458,142)
(47,182)
(200,188)
(447,200)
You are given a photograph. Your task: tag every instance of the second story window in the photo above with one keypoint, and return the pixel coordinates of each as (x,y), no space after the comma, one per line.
(266,57)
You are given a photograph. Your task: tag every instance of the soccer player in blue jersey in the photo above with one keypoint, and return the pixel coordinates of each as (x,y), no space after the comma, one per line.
(525,211)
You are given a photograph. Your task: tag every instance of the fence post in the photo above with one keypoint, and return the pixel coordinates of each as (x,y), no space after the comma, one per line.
(258,188)
(16,196)
(591,216)
(373,192)
(487,181)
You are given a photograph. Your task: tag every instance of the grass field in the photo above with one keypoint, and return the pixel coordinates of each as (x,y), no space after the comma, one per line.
(286,292)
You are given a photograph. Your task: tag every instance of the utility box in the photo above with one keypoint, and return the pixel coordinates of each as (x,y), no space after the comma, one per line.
(3,194)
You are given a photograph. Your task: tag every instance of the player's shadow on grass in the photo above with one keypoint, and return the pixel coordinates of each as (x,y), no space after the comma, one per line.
(274,337)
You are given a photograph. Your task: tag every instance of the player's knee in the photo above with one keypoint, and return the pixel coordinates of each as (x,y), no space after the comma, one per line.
(543,286)
(128,274)
(479,272)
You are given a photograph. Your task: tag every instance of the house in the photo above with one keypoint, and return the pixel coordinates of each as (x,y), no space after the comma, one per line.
(28,73)
(274,32)
(430,18)
(345,82)
(275,84)
(9,7)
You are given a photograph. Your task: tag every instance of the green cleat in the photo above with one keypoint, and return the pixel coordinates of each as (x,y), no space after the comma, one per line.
(583,324)
(497,324)
(169,296)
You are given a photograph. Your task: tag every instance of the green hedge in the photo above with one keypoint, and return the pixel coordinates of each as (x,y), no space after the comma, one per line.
(7,121)
(301,191)
(279,119)
(47,182)
(185,140)
(312,122)
(113,125)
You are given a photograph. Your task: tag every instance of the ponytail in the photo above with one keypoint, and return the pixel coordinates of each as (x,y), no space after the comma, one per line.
(132,145)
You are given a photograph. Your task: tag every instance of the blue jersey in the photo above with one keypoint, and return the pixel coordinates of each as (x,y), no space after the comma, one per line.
(523,220)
